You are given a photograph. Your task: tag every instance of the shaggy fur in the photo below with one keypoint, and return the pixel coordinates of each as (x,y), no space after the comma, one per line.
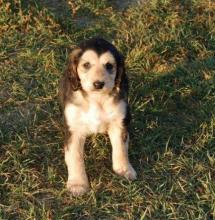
(93,94)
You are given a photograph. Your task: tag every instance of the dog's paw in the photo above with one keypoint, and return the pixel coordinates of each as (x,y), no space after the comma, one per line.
(126,171)
(77,189)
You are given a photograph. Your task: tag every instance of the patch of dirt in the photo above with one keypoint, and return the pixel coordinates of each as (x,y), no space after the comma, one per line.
(17,119)
(66,9)
(58,7)
(123,4)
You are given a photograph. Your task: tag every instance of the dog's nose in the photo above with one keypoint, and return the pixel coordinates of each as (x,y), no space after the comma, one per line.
(98,84)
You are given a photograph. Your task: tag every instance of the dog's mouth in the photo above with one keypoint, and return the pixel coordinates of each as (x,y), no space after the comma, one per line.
(99,90)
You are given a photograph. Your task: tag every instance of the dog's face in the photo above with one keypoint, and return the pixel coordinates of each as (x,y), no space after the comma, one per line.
(95,66)
(97,72)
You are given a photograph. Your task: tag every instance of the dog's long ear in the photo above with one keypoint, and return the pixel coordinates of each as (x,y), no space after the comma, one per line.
(71,70)
(121,80)
(70,81)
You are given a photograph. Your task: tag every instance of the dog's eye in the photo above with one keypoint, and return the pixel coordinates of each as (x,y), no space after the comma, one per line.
(109,66)
(87,65)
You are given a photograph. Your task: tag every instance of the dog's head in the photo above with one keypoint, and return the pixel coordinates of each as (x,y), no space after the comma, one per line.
(96,66)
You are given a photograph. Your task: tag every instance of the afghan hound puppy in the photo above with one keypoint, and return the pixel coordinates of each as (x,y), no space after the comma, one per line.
(93,94)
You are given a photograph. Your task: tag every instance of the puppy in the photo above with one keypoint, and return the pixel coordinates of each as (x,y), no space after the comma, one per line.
(93,94)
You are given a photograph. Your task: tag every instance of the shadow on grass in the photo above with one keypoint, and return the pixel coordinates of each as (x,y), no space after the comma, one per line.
(83,20)
(177,109)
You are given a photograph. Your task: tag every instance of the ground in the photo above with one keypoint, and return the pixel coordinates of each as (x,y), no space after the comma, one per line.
(169,49)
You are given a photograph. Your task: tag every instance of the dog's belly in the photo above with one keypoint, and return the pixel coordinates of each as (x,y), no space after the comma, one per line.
(95,120)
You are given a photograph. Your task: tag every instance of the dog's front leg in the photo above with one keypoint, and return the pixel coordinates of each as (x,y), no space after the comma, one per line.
(119,138)
(77,182)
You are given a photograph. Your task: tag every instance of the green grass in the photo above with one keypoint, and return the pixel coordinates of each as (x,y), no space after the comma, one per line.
(169,48)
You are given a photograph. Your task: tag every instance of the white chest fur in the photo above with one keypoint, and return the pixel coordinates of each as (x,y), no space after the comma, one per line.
(95,117)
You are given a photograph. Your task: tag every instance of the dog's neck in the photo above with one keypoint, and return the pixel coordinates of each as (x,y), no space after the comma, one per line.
(83,98)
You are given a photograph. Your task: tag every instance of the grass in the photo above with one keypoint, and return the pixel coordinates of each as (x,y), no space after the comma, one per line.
(169,48)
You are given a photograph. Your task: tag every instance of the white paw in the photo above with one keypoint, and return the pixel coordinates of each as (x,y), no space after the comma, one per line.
(127,171)
(77,189)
